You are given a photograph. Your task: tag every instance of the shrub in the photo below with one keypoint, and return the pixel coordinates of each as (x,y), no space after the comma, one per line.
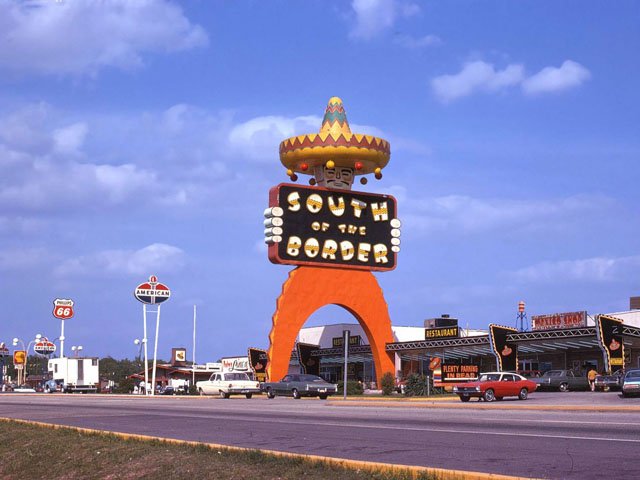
(125,386)
(387,383)
(193,390)
(416,385)
(353,388)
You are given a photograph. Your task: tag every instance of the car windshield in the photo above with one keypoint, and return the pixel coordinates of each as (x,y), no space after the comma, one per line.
(310,378)
(236,376)
(553,373)
(490,377)
(633,374)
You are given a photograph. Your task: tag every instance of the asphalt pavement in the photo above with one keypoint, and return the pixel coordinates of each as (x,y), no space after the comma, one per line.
(576,435)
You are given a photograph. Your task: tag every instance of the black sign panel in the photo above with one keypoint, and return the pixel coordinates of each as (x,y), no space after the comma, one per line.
(309,364)
(506,352)
(335,228)
(459,372)
(258,363)
(609,334)
(354,341)
(441,332)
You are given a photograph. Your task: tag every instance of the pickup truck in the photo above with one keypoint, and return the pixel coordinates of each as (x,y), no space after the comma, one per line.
(562,380)
(227,384)
(298,386)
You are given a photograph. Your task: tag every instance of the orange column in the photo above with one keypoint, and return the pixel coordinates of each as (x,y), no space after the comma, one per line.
(309,288)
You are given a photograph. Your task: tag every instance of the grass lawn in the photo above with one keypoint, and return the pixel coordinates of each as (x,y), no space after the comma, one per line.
(35,452)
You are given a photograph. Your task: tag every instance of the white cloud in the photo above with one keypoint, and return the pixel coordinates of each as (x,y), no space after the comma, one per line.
(551,79)
(596,269)
(476,76)
(259,138)
(467,214)
(71,138)
(155,258)
(425,41)
(374,17)
(80,37)
(479,76)
(23,258)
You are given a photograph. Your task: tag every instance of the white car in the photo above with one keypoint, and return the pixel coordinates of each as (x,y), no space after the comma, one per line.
(227,384)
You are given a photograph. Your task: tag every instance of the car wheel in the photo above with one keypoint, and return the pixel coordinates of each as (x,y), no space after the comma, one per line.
(564,387)
(296,394)
(200,391)
(224,394)
(464,398)
(323,397)
(524,393)
(248,395)
(47,389)
(489,395)
(270,393)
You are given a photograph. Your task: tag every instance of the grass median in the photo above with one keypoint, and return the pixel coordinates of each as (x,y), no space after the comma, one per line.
(33,452)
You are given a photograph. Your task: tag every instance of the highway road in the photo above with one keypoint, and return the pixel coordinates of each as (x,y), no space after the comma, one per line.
(558,444)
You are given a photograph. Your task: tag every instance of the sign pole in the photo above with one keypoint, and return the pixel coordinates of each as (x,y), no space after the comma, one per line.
(193,360)
(345,334)
(155,352)
(146,357)
(61,338)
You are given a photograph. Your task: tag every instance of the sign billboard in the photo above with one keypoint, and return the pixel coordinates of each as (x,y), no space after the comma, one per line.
(609,333)
(441,333)
(506,353)
(459,372)
(310,364)
(19,357)
(555,321)
(63,308)
(235,364)
(152,292)
(354,341)
(333,228)
(258,362)
(44,347)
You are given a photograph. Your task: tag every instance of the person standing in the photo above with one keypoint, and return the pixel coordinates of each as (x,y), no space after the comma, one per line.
(591,376)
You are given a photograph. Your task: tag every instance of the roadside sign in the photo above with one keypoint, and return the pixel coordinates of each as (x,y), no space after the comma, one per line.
(63,308)
(4,351)
(19,357)
(152,292)
(44,347)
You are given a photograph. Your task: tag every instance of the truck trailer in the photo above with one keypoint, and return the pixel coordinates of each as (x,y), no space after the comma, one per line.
(75,374)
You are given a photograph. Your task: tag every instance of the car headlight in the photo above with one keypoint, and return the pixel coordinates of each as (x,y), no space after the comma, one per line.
(455,389)
(477,389)
(306,387)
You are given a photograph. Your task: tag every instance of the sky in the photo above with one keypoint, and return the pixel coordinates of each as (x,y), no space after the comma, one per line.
(141,137)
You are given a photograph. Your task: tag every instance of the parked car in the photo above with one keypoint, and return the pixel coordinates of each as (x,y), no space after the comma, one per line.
(562,380)
(609,382)
(631,383)
(24,389)
(298,386)
(168,390)
(51,386)
(227,384)
(492,386)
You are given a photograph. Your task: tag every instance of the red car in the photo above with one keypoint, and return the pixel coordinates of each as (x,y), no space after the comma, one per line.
(495,386)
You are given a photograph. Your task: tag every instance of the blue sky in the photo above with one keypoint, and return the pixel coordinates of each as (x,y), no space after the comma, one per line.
(141,137)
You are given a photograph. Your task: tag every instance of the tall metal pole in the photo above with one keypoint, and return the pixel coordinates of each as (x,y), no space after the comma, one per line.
(345,339)
(146,357)
(193,360)
(155,352)
(61,339)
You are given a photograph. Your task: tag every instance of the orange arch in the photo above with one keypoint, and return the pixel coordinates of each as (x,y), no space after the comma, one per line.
(309,288)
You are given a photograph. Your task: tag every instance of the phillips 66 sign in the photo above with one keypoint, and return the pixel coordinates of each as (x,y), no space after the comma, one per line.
(63,308)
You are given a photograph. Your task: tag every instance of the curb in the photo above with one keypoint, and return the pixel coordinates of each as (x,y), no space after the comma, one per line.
(414,471)
(485,406)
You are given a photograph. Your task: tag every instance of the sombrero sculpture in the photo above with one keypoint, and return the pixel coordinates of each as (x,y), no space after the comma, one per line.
(335,147)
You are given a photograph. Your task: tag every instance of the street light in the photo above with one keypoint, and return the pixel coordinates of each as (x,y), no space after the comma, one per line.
(76,349)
